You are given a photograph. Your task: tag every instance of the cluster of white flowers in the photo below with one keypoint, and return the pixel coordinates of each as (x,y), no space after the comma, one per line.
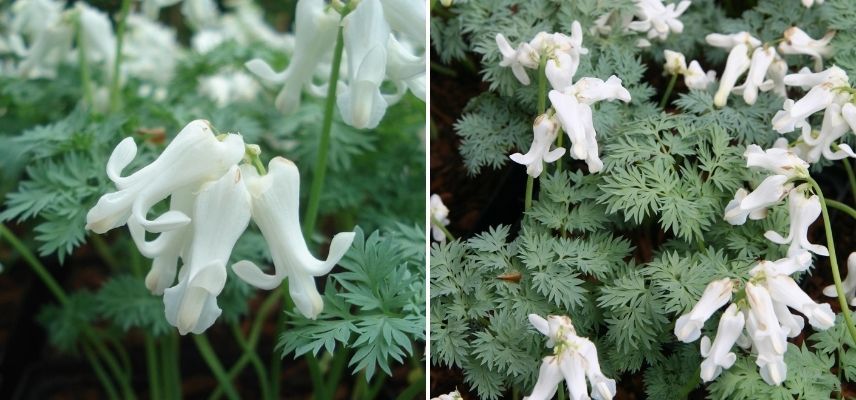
(574,359)
(212,199)
(652,17)
(765,67)
(455,395)
(694,76)
(762,310)
(571,102)
(383,41)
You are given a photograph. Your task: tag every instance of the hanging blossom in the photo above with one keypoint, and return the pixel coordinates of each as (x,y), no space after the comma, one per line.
(212,200)
(828,91)
(796,41)
(228,86)
(658,19)
(810,3)
(546,130)
(383,42)
(562,54)
(761,311)
(439,218)
(694,76)
(574,359)
(455,395)
(848,284)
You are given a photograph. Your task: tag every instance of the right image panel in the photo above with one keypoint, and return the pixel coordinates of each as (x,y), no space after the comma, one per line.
(642,199)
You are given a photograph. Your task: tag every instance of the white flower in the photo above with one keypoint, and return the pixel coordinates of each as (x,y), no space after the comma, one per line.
(784,164)
(658,19)
(798,42)
(574,358)
(784,290)
(848,284)
(737,216)
(738,62)
(275,210)
(192,158)
(510,59)
(366,36)
(150,50)
(573,109)
(452,395)
(696,78)
(676,63)
(32,17)
(718,356)
(439,214)
(562,54)
(716,294)
(225,88)
(762,58)
(822,93)
(97,35)
(200,13)
(809,3)
(220,215)
(545,130)
(769,339)
(803,212)
(315,34)
(729,41)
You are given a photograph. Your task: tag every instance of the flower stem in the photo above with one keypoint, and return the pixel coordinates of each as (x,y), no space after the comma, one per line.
(117,62)
(559,139)
(665,99)
(204,347)
(850,176)
(254,359)
(35,264)
(100,373)
(324,142)
(85,74)
(172,367)
(841,207)
(542,106)
(442,227)
(833,261)
(152,364)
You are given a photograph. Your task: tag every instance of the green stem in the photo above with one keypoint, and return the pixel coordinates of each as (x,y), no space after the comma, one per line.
(252,340)
(850,176)
(665,99)
(690,385)
(542,107)
(833,261)
(324,142)
(123,355)
(442,227)
(204,347)
(35,264)
(276,358)
(412,390)
(85,74)
(112,364)
(317,376)
(377,384)
(254,359)
(559,141)
(171,366)
(152,364)
(120,36)
(104,251)
(561,390)
(100,373)
(336,370)
(841,207)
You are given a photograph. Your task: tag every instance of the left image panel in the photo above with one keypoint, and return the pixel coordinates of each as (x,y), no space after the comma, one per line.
(212,199)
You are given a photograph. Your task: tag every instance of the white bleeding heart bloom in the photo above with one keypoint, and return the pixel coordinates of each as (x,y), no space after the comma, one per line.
(769,338)
(573,109)
(227,87)
(718,355)
(784,164)
(150,50)
(366,37)
(315,34)
(762,58)
(803,212)
(696,78)
(561,52)
(784,290)
(452,395)
(545,132)
(737,216)
(676,63)
(798,42)
(775,160)
(195,156)
(716,294)
(275,210)
(738,62)
(406,67)
(97,35)
(221,214)
(848,284)
(824,91)
(32,17)
(729,41)
(658,19)
(439,214)
(810,3)
(574,359)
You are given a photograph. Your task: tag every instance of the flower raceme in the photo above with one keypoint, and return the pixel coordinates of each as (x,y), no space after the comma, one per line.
(212,200)
(439,215)
(574,359)
(545,130)
(382,43)
(694,75)
(762,312)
